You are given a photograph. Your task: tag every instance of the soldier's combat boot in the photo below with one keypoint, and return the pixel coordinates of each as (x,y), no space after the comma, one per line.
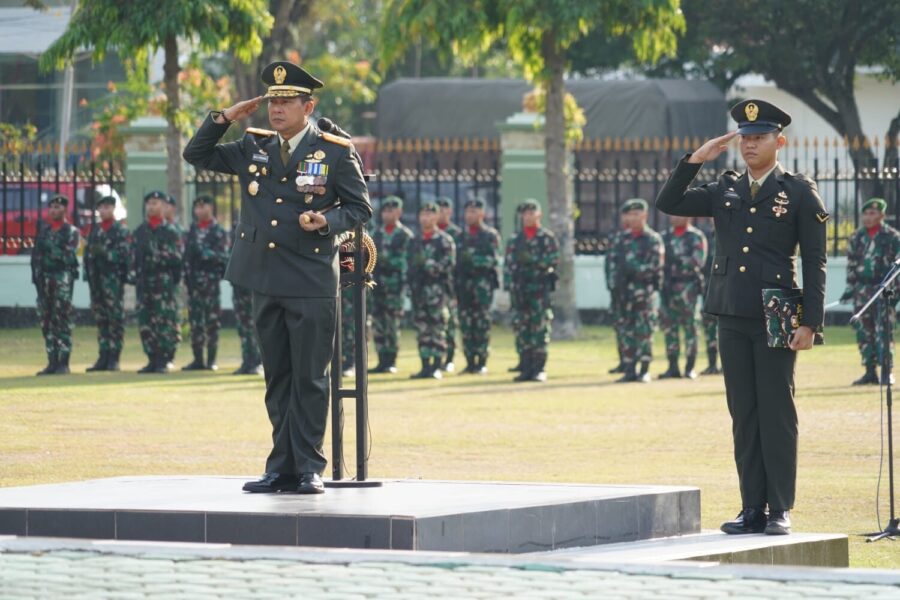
(112,362)
(241,370)
(517,368)
(436,368)
(527,368)
(480,365)
(644,375)
(537,368)
(713,368)
(62,364)
(870,377)
(197,364)
(448,364)
(101,364)
(629,374)
(689,372)
(673,372)
(381,367)
(619,368)
(348,369)
(51,365)
(161,365)
(211,352)
(150,367)
(425,373)
(390,361)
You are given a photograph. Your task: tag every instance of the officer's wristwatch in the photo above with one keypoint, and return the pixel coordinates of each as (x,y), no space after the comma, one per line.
(221,113)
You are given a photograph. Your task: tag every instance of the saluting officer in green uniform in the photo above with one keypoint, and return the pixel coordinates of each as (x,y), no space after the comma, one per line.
(445,223)
(870,255)
(107,258)
(302,189)
(205,257)
(54,267)
(761,216)
(392,242)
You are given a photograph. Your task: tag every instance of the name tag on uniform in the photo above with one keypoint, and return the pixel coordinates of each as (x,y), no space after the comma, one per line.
(263,158)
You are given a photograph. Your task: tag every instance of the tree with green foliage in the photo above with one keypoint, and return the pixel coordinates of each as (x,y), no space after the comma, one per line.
(537,34)
(131,29)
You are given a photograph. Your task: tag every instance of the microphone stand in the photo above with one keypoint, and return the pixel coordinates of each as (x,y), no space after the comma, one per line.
(893,527)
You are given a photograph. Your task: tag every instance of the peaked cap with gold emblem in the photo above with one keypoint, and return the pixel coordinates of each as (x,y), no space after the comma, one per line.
(286,80)
(758,116)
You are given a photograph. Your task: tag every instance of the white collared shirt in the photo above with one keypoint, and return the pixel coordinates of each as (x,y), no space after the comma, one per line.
(762,179)
(295,141)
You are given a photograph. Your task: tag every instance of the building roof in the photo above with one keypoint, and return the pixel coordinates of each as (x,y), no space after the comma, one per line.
(29,31)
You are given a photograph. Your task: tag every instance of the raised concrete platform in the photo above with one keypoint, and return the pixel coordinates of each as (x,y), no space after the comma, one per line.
(797,549)
(408,515)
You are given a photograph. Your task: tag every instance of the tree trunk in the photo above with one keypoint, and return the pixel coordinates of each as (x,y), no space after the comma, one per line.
(175,175)
(559,200)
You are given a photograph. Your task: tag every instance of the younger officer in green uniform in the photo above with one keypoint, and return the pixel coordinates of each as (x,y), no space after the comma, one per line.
(477,257)
(529,273)
(432,258)
(54,267)
(682,285)
(157,263)
(870,256)
(302,189)
(392,242)
(445,223)
(205,257)
(639,277)
(107,257)
(761,216)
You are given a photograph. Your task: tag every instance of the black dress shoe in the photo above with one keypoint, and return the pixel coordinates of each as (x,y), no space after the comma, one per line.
(310,483)
(750,520)
(271,483)
(779,523)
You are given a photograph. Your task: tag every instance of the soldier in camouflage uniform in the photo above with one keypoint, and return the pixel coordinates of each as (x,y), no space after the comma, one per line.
(477,257)
(392,241)
(432,259)
(107,258)
(251,361)
(710,322)
(609,271)
(205,259)
(870,255)
(445,223)
(639,276)
(529,273)
(54,267)
(157,265)
(170,211)
(686,252)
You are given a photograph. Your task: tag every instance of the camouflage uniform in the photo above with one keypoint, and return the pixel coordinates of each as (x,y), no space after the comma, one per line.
(682,285)
(54,267)
(609,269)
(454,231)
(868,260)
(710,322)
(478,254)
(107,257)
(205,259)
(639,274)
(242,299)
(387,296)
(431,263)
(529,273)
(157,265)
(178,274)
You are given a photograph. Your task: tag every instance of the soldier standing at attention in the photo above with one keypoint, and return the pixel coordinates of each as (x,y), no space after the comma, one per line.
(54,267)
(205,257)
(157,261)
(870,255)
(445,223)
(107,258)
(392,242)
(529,273)
(432,258)
(680,309)
(170,210)
(477,257)
(303,188)
(639,277)
(710,322)
(242,301)
(761,216)
(609,270)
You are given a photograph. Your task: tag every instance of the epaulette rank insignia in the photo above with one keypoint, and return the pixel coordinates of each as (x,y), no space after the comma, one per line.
(260,132)
(335,139)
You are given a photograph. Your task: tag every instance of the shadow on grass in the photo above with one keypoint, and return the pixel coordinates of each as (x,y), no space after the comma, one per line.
(31,382)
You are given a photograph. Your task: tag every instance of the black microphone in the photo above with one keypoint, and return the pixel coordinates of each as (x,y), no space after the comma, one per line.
(327,125)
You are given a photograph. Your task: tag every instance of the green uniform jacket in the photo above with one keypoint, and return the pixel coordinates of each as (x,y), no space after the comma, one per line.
(756,243)
(272,254)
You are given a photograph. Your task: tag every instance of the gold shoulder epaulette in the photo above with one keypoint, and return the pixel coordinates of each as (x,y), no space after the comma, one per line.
(260,132)
(335,139)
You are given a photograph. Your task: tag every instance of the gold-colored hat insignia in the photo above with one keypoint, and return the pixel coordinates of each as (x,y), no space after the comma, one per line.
(752,111)
(280,74)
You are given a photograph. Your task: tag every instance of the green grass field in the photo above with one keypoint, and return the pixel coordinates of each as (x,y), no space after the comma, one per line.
(578,427)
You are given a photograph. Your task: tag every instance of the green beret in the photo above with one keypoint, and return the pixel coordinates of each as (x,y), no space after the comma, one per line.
(444,202)
(529,204)
(107,200)
(878,203)
(474,203)
(156,195)
(634,204)
(392,202)
(58,199)
(203,200)
(428,206)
